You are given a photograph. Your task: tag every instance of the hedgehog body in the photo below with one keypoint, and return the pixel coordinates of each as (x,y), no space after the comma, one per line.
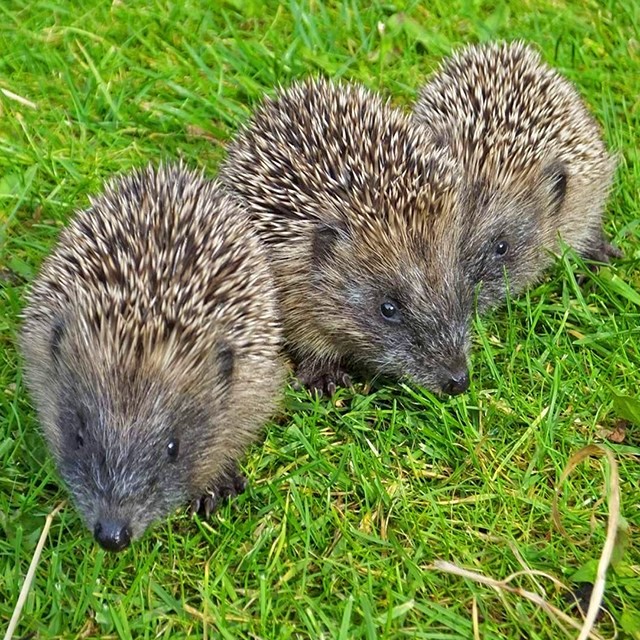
(533,157)
(355,206)
(151,348)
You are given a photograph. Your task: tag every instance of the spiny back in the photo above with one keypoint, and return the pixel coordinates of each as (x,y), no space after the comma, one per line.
(322,150)
(503,109)
(161,257)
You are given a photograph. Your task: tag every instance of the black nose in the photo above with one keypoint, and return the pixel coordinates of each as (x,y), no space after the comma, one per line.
(112,535)
(458,382)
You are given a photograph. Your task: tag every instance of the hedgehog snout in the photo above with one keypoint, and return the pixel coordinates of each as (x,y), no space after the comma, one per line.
(456,381)
(442,353)
(112,534)
(449,376)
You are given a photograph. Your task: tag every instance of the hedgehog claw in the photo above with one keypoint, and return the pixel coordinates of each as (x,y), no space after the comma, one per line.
(323,381)
(209,504)
(345,380)
(194,506)
(204,505)
(231,484)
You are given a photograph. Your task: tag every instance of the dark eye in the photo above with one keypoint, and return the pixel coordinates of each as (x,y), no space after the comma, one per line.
(79,439)
(172,450)
(390,311)
(502,248)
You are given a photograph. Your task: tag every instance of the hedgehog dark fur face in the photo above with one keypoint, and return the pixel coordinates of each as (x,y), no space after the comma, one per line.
(355,204)
(151,347)
(534,160)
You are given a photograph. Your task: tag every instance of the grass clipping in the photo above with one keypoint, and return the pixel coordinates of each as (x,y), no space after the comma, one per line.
(613,500)
(24,592)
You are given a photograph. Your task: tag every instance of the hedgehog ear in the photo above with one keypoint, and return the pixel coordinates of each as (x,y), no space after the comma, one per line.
(226,360)
(554,176)
(325,237)
(57,333)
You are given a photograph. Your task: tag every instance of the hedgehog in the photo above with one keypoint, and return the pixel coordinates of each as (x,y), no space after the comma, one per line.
(536,169)
(354,205)
(151,342)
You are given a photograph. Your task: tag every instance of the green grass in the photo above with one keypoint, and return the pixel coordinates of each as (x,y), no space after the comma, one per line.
(350,503)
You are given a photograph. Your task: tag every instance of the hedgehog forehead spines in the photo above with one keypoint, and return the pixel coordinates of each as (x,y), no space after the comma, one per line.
(505,94)
(364,153)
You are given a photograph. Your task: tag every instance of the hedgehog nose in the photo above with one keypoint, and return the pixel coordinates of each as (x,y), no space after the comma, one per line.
(112,535)
(458,382)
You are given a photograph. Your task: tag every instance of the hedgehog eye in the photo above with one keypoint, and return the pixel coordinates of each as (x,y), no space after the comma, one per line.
(173,449)
(502,248)
(390,311)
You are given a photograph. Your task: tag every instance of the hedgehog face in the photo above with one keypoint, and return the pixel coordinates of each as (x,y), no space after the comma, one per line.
(503,239)
(419,334)
(125,471)
(125,440)
(395,315)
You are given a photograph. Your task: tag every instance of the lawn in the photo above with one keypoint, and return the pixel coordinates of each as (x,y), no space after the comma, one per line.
(351,501)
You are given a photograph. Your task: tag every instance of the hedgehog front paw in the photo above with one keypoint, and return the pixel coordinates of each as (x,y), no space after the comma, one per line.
(603,251)
(231,484)
(322,380)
